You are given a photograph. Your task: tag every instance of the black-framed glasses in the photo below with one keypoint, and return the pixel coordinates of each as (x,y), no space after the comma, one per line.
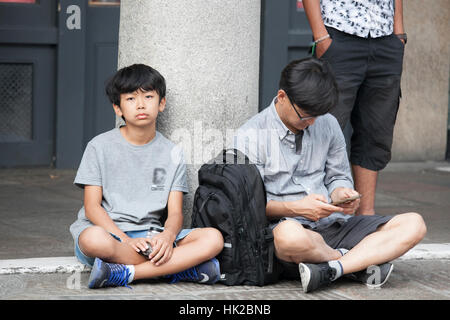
(298,114)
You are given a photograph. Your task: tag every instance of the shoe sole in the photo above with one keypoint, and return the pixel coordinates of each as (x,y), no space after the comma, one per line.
(217,264)
(214,280)
(305,276)
(374,286)
(94,274)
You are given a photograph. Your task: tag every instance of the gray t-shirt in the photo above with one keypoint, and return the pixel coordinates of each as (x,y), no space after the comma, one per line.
(135,180)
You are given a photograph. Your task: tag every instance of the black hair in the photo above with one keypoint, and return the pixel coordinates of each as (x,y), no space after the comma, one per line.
(311,85)
(132,78)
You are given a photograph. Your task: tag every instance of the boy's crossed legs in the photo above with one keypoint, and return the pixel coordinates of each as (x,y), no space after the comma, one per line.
(198,246)
(294,243)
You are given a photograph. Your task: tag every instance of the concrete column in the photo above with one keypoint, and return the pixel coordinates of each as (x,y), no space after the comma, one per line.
(208,52)
(421,129)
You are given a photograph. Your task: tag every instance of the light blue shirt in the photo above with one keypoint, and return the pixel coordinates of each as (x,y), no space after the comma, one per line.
(317,165)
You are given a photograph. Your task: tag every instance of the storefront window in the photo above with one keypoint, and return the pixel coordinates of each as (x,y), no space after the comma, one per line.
(104,2)
(19,1)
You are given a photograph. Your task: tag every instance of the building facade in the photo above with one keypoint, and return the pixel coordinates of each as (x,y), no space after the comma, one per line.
(222,61)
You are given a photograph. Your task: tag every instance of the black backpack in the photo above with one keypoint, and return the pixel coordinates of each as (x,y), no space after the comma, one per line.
(231,198)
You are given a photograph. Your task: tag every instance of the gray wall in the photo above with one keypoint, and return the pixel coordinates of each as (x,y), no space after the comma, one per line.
(208,51)
(421,130)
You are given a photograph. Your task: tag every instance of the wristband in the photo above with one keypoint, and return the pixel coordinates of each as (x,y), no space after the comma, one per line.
(321,39)
(402,36)
(314,43)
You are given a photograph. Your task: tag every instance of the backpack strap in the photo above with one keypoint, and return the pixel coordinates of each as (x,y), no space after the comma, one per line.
(205,201)
(238,157)
(268,237)
(270,257)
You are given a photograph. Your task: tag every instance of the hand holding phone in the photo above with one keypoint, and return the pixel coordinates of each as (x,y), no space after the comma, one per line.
(346,200)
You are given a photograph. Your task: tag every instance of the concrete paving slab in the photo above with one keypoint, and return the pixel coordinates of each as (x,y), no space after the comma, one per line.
(38,205)
(410,280)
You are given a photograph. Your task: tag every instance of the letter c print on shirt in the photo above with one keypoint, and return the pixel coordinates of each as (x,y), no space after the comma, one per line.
(159,178)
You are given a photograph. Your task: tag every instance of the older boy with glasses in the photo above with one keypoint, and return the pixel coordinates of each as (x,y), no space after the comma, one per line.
(305,169)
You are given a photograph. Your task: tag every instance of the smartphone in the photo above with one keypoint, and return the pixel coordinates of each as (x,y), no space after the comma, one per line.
(346,200)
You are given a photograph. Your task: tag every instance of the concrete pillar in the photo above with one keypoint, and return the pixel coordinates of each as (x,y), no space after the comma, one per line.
(208,52)
(421,129)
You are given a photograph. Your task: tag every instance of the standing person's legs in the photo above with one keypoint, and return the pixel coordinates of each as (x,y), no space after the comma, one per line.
(373,120)
(365,184)
(373,117)
(347,56)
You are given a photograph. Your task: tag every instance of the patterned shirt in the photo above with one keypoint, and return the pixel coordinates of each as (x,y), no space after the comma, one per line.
(294,166)
(363,18)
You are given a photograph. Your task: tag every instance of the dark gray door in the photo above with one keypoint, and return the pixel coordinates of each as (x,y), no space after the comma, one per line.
(285,36)
(88,42)
(101,53)
(28,38)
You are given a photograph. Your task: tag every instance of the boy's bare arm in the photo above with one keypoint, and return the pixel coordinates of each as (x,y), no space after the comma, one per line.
(162,243)
(398,18)
(174,220)
(95,212)
(312,207)
(314,15)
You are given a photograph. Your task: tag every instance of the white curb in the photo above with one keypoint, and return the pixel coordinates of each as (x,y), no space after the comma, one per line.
(42,265)
(431,251)
(434,251)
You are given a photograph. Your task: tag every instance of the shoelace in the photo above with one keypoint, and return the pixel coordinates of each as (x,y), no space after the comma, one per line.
(331,274)
(118,275)
(189,274)
(327,275)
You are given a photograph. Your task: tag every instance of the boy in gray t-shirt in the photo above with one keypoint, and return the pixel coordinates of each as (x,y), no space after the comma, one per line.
(132,178)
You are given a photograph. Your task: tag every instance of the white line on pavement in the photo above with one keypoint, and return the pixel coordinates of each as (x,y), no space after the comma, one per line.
(433,251)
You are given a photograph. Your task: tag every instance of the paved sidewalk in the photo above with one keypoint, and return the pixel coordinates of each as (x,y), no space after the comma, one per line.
(38,205)
(410,280)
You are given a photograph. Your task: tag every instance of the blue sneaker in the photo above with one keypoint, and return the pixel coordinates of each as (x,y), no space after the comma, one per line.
(108,275)
(208,273)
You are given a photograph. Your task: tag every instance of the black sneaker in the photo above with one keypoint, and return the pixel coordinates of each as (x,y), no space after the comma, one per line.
(314,276)
(373,276)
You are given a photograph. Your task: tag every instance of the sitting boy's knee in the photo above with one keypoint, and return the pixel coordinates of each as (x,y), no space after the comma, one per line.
(417,226)
(291,238)
(93,240)
(293,243)
(210,240)
(215,239)
(411,227)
